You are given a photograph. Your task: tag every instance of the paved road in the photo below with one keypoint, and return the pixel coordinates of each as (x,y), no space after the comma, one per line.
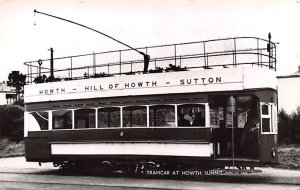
(15,173)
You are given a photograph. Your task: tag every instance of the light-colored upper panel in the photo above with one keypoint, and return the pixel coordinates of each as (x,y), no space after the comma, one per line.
(259,78)
(229,79)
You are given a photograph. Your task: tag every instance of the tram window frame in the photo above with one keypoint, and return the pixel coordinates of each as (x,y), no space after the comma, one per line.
(37,124)
(270,117)
(90,121)
(275,118)
(109,124)
(69,123)
(206,113)
(124,116)
(173,123)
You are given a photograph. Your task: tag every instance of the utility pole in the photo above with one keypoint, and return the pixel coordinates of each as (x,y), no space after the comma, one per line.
(145,56)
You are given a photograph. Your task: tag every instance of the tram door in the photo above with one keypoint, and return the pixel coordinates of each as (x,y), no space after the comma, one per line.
(268,132)
(247,128)
(237,133)
(242,125)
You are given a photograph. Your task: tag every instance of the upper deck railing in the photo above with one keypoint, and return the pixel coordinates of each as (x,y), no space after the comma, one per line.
(210,54)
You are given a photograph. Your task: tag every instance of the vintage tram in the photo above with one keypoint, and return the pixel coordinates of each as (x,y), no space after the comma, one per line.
(207,104)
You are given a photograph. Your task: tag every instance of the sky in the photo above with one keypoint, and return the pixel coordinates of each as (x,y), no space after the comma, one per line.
(25,36)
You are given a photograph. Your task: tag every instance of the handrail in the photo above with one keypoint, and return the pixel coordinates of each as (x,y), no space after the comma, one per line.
(186,43)
(203,54)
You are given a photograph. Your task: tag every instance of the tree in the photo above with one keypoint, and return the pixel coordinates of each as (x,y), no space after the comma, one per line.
(283,126)
(295,122)
(17,80)
(289,126)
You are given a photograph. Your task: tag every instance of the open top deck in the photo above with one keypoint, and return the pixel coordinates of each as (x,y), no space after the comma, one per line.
(211,54)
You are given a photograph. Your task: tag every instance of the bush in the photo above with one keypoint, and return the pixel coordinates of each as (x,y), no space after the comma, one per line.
(12,122)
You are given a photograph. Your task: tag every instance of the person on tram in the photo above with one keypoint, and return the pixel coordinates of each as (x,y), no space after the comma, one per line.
(189,117)
(198,119)
(249,138)
(182,122)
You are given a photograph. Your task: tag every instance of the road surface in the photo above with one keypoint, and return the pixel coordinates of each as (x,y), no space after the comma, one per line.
(16,173)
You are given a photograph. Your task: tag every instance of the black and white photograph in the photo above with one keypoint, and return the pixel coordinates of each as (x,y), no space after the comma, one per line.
(149,94)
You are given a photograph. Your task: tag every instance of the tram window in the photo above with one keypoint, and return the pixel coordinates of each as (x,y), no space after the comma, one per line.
(268,118)
(162,116)
(266,125)
(135,116)
(233,110)
(246,108)
(217,110)
(216,115)
(62,119)
(38,121)
(109,117)
(238,109)
(191,115)
(84,118)
(265,118)
(265,109)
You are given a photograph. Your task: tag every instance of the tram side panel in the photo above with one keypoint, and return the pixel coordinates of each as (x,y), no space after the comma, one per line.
(39,143)
(268,132)
(44,146)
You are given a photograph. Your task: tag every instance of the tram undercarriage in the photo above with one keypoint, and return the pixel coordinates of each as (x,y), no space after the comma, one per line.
(145,165)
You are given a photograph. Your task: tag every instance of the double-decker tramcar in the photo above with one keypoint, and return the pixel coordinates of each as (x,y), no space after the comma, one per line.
(207,104)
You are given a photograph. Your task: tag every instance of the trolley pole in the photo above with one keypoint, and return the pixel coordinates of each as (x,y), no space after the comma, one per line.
(145,56)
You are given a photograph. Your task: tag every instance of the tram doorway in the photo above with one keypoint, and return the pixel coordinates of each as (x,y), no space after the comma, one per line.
(235,123)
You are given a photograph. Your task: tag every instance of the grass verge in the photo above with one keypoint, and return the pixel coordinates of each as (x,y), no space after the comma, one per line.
(10,148)
(289,156)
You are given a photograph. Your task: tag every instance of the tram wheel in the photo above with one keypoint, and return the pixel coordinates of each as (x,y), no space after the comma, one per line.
(106,168)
